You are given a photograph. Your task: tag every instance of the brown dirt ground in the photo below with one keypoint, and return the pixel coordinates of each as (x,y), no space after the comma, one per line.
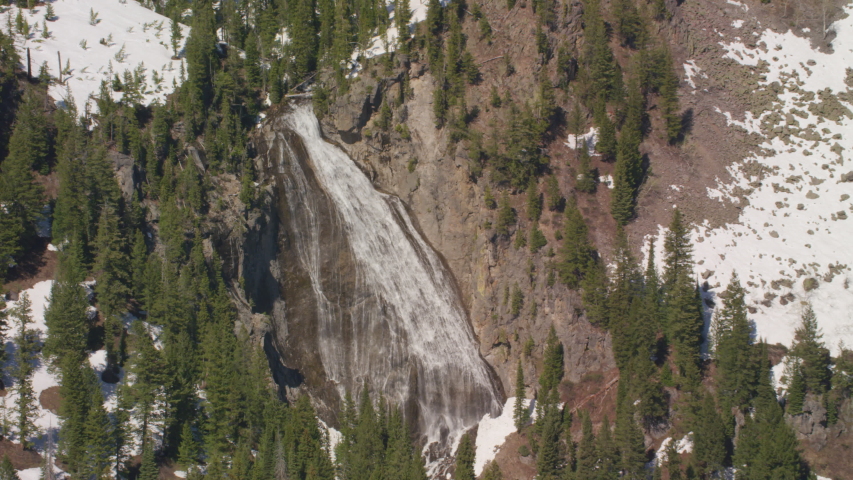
(38,266)
(50,399)
(20,458)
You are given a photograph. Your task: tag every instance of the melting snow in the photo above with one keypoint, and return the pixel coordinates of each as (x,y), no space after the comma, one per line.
(588,139)
(492,433)
(685,445)
(690,71)
(126,37)
(794,221)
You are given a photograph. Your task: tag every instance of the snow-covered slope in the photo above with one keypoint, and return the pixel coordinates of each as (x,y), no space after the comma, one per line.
(125,37)
(46,422)
(791,243)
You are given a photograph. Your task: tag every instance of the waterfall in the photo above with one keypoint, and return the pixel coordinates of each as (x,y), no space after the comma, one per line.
(383,306)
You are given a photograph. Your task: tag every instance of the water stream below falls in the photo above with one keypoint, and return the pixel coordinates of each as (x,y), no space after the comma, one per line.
(362,280)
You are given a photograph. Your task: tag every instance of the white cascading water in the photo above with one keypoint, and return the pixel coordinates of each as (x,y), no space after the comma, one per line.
(410,332)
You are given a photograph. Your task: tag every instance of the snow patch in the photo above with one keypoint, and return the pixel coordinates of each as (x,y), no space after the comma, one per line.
(126,37)
(790,243)
(588,140)
(737,23)
(776,373)
(738,4)
(691,71)
(685,445)
(492,433)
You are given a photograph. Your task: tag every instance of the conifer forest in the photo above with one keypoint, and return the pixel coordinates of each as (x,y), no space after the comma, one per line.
(423,239)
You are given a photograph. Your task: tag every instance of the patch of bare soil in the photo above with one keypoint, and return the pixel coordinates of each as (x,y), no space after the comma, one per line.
(39,265)
(834,460)
(594,394)
(20,458)
(50,399)
(513,464)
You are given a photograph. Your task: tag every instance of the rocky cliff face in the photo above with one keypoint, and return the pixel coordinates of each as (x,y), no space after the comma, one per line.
(435,182)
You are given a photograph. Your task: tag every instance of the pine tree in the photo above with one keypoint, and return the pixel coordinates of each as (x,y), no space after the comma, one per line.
(796,388)
(176,34)
(21,197)
(489,198)
(465,459)
(534,202)
(506,216)
(606,144)
(550,456)
(576,253)
(709,437)
(492,471)
(520,412)
(607,452)
(552,362)
(111,271)
(603,69)
(586,453)
(733,347)
(628,170)
(552,191)
(148,470)
(812,352)
(537,239)
(629,24)
(594,285)
(7,470)
(766,446)
(630,442)
(673,462)
(25,354)
(67,322)
(683,307)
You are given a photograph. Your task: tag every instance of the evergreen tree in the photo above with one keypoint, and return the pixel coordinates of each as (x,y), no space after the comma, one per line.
(22,202)
(607,452)
(534,202)
(736,380)
(813,354)
(767,447)
(492,471)
(30,140)
(552,191)
(176,34)
(709,438)
(148,470)
(25,354)
(594,298)
(550,456)
(67,322)
(111,272)
(586,455)
(576,253)
(630,442)
(796,388)
(673,462)
(603,70)
(7,470)
(606,144)
(537,239)
(629,23)
(684,322)
(627,174)
(520,412)
(465,459)
(552,363)
(506,216)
